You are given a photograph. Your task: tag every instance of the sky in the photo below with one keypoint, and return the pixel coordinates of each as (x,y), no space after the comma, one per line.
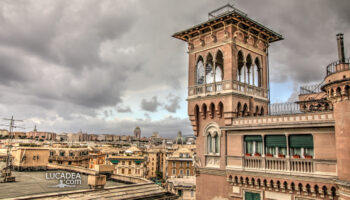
(107,66)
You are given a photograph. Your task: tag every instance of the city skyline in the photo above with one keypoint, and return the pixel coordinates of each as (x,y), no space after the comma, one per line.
(107,67)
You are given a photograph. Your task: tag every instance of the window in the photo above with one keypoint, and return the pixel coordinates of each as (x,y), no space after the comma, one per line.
(187,172)
(212,140)
(129,171)
(251,196)
(129,162)
(209,72)
(123,171)
(276,145)
(181,164)
(192,193)
(174,172)
(301,146)
(181,171)
(174,164)
(123,162)
(253,145)
(188,164)
(200,72)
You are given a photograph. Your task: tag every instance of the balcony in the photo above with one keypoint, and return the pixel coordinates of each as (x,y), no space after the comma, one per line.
(285,166)
(338,66)
(228,86)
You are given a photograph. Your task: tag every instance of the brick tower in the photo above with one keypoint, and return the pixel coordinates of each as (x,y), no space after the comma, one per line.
(228,78)
(337,87)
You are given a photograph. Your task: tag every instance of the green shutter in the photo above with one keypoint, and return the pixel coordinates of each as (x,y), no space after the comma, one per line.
(301,141)
(275,141)
(251,196)
(138,161)
(256,138)
(115,161)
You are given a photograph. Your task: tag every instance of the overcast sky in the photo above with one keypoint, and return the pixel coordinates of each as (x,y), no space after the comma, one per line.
(109,66)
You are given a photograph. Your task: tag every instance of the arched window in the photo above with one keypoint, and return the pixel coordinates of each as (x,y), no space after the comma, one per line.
(245,110)
(239,109)
(338,91)
(204,111)
(257,76)
(249,74)
(216,140)
(240,63)
(196,113)
(221,109)
(209,143)
(200,72)
(209,70)
(219,66)
(212,110)
(347,91)
(212,134)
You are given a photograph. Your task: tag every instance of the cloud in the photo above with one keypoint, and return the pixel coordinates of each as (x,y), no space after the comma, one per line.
(150,105)
(174,103)
(126,109)
(68,63)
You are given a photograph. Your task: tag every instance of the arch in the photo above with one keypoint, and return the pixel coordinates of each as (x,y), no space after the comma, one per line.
(271,184)
(347,91)
(292,186)
(324,190)
(262,111)
(209,69)
(239,108)
(258,182)
(245,110)
(256,111)
(285,185)
(212,110)
(257,72)
(338,91)
(196,115)
(249,74)
(317,190)
(300,187)
(253,181)
(219,66)
(241,179)
(221,109)
(332,92)
(247,180)
(199,71)
(230,178)
(265,183)
(236,179)
(308,188)
(204,110)
(240,64)
(278,184)
(209,143)
(334,191)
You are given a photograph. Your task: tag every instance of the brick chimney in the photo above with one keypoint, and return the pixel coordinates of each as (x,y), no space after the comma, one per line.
(340,43)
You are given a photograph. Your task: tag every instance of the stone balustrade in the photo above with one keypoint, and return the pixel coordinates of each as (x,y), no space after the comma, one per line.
(226,87)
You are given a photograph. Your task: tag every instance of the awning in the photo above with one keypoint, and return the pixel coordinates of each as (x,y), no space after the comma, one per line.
(256,138)
(275,141)
(115,161)
(138,161)
(301,141)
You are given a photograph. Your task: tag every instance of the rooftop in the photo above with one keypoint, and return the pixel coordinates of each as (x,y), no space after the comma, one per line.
(230,15)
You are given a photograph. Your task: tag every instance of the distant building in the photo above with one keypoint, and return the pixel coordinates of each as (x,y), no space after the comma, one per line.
(137,132)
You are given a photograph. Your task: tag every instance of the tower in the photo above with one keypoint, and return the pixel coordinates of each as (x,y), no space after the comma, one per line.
(337,87)
(137,132)
(228,67)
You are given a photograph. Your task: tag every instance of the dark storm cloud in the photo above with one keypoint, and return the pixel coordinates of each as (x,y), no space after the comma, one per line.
(150,105)
(64,63)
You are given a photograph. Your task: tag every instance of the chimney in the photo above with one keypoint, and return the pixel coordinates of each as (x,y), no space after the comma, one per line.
(340,43)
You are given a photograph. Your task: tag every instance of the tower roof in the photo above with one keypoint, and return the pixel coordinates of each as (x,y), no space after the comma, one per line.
(229,15)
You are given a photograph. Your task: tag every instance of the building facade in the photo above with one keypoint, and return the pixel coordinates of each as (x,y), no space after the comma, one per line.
(244,152)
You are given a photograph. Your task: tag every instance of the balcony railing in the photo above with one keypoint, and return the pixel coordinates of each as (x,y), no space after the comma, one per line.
(336,67)
(226,86)
(284,108)
(279,164)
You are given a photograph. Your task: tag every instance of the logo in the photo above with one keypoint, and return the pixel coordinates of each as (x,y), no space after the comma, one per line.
(66,179)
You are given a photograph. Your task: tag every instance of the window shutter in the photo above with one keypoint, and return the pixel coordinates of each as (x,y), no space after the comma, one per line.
(276,141)
(301,141)
(256,138)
